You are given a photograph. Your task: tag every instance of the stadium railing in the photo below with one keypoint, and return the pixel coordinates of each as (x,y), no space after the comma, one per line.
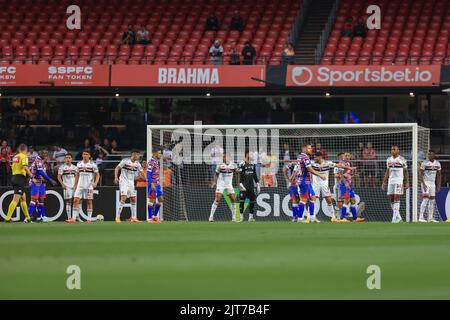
(326,32)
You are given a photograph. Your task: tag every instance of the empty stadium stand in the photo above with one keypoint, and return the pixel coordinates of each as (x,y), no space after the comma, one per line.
(412,32)
(35,32)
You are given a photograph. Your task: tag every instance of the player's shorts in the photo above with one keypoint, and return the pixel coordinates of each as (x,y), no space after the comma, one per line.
(37,191)
(127,189)
(154,193)
(395,188)
(248,193)
(84,193)
(68,193)
(429,190)
(228,188)
(18,182)
(293,192)
(346,193)
(322,190)
(306,191)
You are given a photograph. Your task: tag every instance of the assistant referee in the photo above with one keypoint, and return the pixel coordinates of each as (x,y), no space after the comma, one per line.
(20,171)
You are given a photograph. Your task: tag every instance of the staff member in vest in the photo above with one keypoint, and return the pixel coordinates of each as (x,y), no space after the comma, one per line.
(20,172)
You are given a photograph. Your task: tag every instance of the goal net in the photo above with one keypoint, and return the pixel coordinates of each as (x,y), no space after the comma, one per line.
(192,152)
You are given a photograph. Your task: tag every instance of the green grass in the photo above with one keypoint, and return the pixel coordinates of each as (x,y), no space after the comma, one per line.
(225,261)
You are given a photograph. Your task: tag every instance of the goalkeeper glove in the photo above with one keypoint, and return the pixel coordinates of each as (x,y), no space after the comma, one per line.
(241,186)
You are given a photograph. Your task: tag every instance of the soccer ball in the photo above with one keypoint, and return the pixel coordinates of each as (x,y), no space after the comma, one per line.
(100,218)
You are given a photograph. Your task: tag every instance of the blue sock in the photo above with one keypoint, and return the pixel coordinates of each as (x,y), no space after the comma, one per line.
(311,208)
(295,211)
(150,210)
(343,211)
(354,214)
(41,210)
(301,209)
(157,206)
(31,208)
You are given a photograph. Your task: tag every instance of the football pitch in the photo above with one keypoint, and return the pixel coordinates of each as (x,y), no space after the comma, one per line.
(200,260)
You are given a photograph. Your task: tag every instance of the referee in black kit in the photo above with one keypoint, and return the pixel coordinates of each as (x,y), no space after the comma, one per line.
(247,179)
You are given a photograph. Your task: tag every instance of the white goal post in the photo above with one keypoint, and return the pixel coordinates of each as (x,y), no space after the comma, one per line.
(187,164)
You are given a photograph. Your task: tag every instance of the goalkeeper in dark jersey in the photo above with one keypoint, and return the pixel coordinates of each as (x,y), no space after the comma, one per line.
(247,179)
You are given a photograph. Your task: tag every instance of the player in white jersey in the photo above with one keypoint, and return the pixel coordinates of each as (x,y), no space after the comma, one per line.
(223,181)
(430,180)
(321,187)
(86,180)
(396,178)
(66,177)
(129,169)
(337,172)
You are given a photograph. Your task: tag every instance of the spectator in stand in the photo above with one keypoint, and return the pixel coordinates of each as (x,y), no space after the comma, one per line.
(348,28)
(248,53)
(142,36)
(212,23)
(167,155)
(288,54)
(129,37)
(107,145)
(216,52)
(114,147)
(142,183)
(286,154)
(7,147)
(237,23)
(86,146)
(360,28)
(32,154)
(321,149)
(5,166)
(369,156)
(59,155)
(99,152)
(235,58)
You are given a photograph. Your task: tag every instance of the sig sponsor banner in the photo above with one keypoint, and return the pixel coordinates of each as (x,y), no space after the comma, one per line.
(187,76)
(363,76)
(106,202)
(45,75)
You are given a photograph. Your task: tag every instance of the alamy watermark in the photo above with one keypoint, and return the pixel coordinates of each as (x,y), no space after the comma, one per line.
(73,281)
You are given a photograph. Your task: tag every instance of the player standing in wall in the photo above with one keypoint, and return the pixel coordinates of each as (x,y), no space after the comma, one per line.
(223,181)
(129,169)
(430,180)
(20,172)
(347,192)
(291,181)
(154,189)
(321,187)
(247,179)
(302,172)
(396,178)
(37,186)
(66,177)
(86,180)
(337,181)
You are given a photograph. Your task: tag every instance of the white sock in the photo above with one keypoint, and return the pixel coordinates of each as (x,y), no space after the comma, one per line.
(75,213)
(396,208)
(331,210)
(68,210)
(250,216)
(431,204)
(233,210)
(423,207)
(133,210)
(213,209)
(89,213)
(119,210)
